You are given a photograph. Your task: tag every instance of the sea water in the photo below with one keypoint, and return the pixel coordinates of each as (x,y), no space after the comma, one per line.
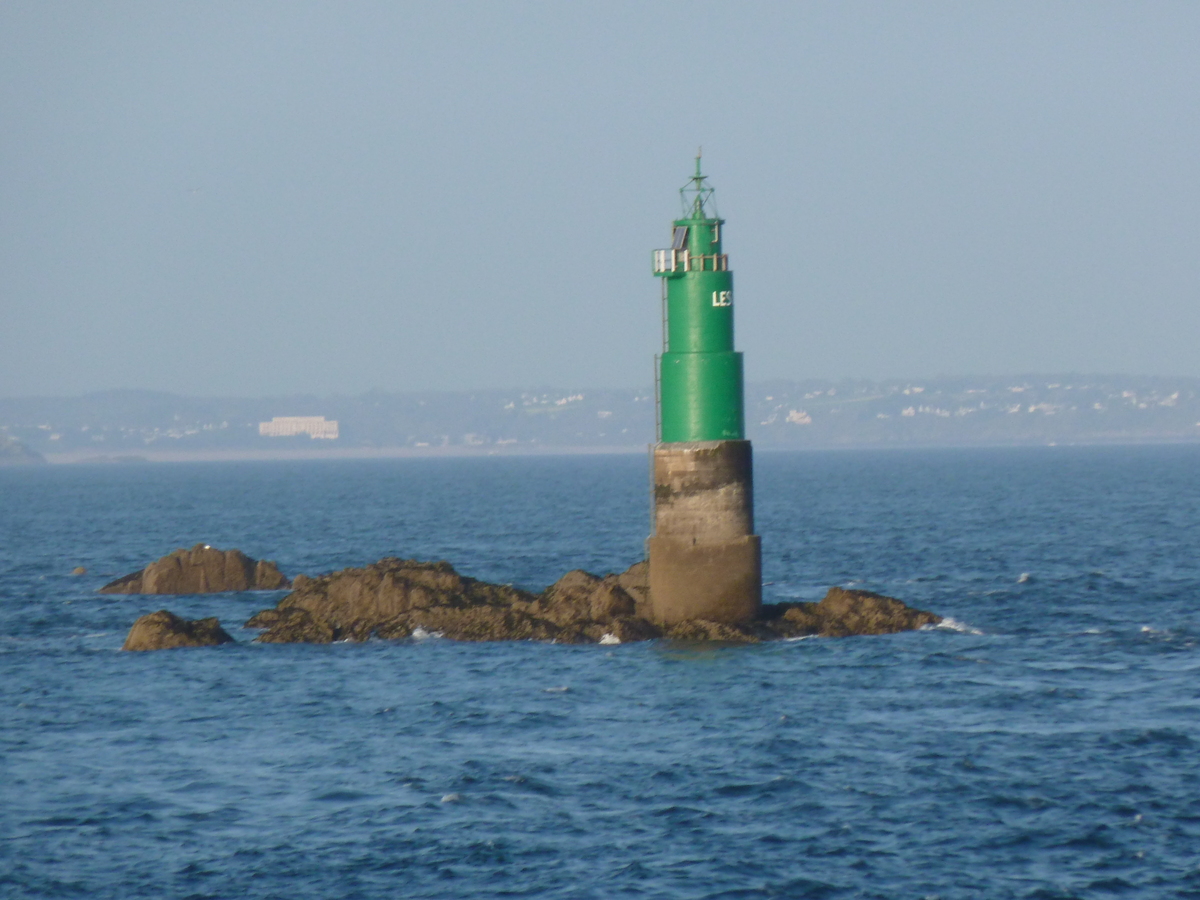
(1043,743)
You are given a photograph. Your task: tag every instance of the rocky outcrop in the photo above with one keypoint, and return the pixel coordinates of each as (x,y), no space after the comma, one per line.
(163,630)
(201,570)
(395,598)
(843,613)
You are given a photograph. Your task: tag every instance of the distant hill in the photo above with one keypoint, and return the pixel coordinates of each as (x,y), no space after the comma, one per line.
(781,414)
(13,452)
(1034,409)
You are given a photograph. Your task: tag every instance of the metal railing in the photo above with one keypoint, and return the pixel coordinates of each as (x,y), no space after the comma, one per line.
(666,261)
(709,262)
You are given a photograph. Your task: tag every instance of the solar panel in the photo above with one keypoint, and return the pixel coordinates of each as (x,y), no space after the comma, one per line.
(679,238)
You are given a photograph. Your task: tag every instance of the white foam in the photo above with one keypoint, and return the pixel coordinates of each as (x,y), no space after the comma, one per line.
(561,689)
(949,624)
(803,637)
(1025,576)
(451,798)
(609,638)
(420,634)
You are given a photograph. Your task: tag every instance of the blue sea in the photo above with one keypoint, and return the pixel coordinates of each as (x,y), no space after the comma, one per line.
(1043,743)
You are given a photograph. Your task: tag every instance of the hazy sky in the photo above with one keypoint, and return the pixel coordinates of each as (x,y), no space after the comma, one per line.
(252,198)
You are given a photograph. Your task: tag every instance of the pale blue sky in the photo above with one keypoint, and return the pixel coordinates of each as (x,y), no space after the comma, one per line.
(253,198)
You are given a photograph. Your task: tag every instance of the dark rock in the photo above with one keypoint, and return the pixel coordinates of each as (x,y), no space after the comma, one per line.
(703,630)
(636,582)
(843,613)
(582,597)
(201,570)
(395,598)
(267,576)
(629,629)
(264,618)
(163,630)
(292,626)
(126,584)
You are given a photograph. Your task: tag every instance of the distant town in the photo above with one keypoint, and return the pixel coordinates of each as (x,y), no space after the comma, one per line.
(1027,410)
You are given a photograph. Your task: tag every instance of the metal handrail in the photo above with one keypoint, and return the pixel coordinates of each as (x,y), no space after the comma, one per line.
(670,260)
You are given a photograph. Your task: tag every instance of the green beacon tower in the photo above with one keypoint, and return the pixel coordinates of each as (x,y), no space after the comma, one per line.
(705,560)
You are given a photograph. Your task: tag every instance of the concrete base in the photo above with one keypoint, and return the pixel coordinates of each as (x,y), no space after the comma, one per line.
(705,560)
(721,582)
(704,490)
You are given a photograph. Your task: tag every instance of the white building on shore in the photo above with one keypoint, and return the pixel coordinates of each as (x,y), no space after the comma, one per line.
(290,426)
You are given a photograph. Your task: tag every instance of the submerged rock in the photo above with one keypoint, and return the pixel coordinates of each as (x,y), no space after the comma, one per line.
(201,570)
(395,598)
(163,630)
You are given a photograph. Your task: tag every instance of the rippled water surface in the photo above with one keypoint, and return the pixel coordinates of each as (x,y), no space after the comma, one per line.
(1049,746)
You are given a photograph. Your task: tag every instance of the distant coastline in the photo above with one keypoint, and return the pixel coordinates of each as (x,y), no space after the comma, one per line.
(82,457)
(15,453)
(127,427)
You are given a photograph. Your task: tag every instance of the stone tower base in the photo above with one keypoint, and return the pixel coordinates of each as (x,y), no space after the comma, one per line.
(705,560)
(719,582)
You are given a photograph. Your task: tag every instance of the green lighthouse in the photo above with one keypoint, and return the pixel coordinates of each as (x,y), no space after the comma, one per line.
(705,560)
(700,373)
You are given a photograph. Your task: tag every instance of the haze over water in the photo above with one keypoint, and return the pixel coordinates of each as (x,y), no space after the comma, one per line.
(263,198)
(1045,746)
